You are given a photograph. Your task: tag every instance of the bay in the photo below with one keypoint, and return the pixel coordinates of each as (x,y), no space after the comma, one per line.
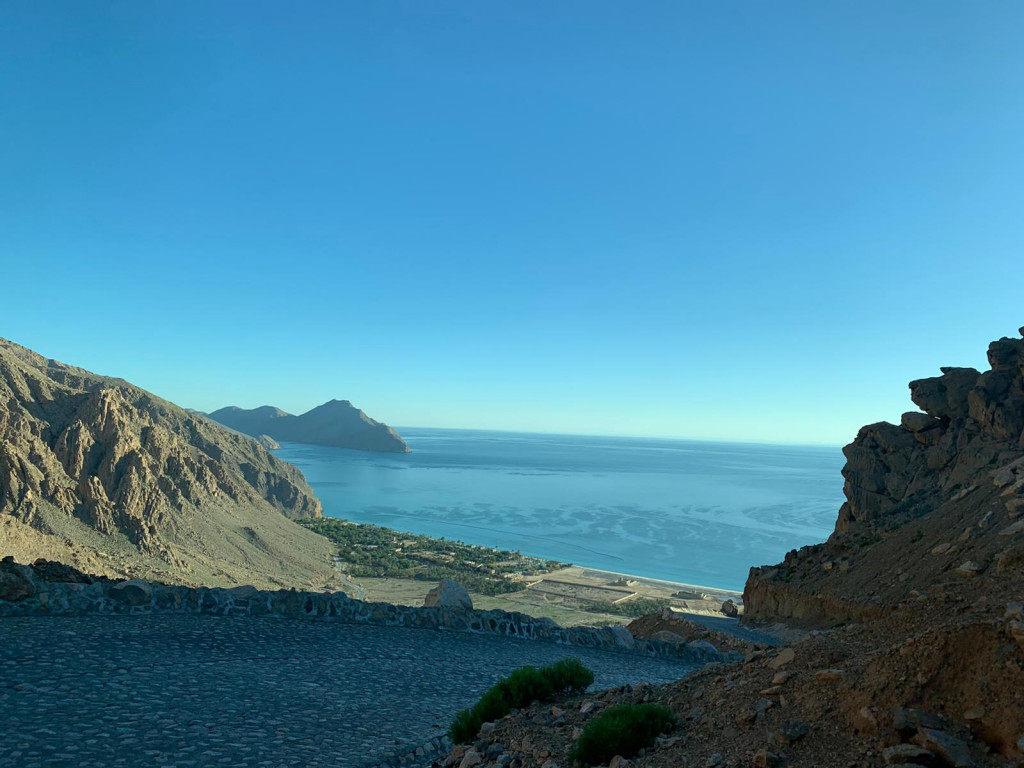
(681,510)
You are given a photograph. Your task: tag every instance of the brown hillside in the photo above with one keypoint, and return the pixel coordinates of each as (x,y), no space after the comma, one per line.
(106,476)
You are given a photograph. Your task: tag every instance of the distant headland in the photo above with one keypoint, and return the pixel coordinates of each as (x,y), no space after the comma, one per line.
(337,423)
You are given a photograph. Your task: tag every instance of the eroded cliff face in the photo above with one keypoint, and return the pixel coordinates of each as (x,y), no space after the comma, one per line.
(934,505)
(81,451)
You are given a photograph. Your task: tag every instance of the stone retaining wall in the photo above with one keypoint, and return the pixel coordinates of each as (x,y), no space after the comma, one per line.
(33,596)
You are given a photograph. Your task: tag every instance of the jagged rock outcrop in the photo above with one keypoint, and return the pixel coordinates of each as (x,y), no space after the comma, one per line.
(930,501)
(337,423)
(91,465)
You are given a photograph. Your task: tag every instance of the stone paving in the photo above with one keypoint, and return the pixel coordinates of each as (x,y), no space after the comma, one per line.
(185,690)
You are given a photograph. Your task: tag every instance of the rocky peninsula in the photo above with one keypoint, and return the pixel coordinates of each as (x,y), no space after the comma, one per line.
(336,423)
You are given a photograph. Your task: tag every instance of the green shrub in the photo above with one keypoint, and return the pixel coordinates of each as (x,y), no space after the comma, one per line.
(622,730)
(522,687)
(568,676)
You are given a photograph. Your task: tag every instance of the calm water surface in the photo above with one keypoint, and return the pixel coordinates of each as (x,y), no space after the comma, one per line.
(690,511)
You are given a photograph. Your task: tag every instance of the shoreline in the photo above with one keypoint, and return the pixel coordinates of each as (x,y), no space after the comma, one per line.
(390,566)
(446,492)
(584,574)
(732,594)
(584,571)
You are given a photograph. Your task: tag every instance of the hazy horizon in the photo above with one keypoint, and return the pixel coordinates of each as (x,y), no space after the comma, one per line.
(668,220)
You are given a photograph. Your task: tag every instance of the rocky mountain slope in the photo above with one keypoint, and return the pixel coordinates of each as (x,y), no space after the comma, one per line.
(935,503)
(105,476)
(337,423)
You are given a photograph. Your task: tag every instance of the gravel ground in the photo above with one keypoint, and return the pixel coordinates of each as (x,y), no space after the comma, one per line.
(207,691)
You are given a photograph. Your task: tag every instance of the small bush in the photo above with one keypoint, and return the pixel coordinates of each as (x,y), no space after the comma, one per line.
(522,687)
(622,730)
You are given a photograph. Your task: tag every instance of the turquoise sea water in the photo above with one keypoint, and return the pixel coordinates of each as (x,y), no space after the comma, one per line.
(689,511)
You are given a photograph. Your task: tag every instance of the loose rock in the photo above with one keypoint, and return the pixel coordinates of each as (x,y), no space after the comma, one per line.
(950,749)
(449,594)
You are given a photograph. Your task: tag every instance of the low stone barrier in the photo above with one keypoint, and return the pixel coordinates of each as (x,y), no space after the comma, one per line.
(28,595)
(423,755)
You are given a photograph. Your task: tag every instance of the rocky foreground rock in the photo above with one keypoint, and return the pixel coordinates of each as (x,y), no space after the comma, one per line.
(336,423)
(98,473)
(935,502)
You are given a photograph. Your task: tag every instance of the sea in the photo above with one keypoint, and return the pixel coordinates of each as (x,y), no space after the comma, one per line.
(685,511)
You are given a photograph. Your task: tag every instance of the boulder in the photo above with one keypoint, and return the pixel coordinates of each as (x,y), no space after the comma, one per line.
(1014,529)
(449,594)
(132,593)
(951,750)
(665,636)
(916,421)
(968,569)
(907,754)
(865,722)
(945,397)
(729,609)
(702,648)
(1010,560)
(622,638)
(906,721)
(765,759)
(790,733)
(15,586)
(829,675)
(590,705)
(1003,477)
(785,656)
(1016,628)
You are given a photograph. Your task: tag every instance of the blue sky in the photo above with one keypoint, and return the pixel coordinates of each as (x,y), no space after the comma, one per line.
(713,220)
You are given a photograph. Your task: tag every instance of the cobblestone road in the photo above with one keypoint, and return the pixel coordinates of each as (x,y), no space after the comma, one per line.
(209,691)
